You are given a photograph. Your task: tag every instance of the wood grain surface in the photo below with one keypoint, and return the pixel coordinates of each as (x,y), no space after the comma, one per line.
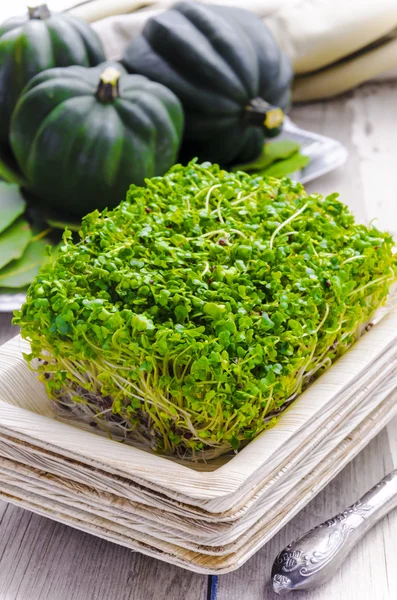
(43,560)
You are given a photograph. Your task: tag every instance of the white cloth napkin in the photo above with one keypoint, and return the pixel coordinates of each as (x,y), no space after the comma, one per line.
(334,45)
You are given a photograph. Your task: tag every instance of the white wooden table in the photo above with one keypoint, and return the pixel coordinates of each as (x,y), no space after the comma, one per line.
(43,560)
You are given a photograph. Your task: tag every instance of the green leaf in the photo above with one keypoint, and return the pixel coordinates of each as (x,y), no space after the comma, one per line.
(13,241)
(286,167)
(271,152)
(22,271)
(263,161)
(12,205)
(281,149)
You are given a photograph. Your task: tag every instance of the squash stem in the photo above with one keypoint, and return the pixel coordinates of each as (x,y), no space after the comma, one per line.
(40,12)
(260,112)
(108,87)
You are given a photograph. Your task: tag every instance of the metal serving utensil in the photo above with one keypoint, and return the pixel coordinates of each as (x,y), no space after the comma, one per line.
(315,556)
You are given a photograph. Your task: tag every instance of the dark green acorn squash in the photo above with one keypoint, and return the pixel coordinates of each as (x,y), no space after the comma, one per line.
(82,136)
(228,72)
(40,41)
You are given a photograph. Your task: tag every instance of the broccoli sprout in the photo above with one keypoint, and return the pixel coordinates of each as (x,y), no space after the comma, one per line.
(190,316)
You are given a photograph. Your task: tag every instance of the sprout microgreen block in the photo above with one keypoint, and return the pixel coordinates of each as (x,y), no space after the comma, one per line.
(191,315)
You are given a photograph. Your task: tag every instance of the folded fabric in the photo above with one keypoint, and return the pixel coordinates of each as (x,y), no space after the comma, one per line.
(378,61)
(334,45)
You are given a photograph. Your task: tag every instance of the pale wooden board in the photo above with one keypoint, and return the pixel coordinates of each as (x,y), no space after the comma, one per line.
(42,560)
(364,121)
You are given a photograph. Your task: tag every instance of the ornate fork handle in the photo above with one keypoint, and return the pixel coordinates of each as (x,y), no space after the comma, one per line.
(315,556)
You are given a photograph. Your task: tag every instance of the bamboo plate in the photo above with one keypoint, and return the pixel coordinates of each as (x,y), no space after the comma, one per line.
(206,538)
(28,414)
(310,486)
(208,530)
(209,518)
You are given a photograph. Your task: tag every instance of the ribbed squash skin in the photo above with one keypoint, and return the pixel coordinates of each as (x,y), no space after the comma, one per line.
(29,46)
(216,59)
(79,153)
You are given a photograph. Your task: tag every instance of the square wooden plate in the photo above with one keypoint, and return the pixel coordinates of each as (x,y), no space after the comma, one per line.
(209,518)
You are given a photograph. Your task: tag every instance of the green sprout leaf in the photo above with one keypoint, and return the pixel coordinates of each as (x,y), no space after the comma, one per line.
(215,311)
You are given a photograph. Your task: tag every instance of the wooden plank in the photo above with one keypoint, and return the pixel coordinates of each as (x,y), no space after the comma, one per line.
(335,119)
(44,560)
(362,122)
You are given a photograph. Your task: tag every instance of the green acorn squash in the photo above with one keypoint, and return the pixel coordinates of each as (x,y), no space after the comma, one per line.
(40,41)
(82,136)
(228,72)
